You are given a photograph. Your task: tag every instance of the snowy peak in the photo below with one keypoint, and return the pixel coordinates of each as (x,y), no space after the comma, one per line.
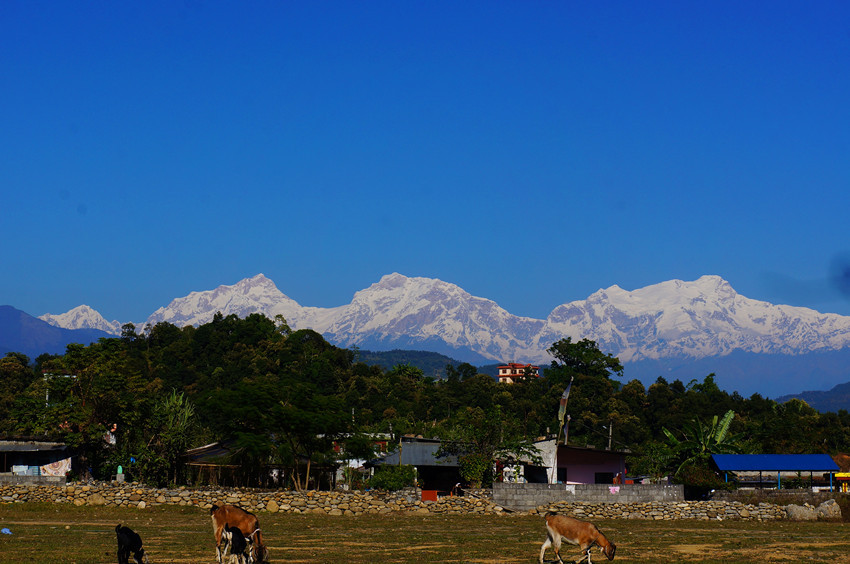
(706,317)
(251,295)
(410,310)
(674,319)
(82,317)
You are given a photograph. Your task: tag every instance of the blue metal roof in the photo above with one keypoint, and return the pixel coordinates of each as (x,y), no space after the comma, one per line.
(775,463)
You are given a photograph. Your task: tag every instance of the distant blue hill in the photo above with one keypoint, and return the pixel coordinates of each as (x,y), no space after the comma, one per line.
(834,400)
(771,375)
(23,333)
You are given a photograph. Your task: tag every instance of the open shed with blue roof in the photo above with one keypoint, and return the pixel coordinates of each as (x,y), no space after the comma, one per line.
(777,464)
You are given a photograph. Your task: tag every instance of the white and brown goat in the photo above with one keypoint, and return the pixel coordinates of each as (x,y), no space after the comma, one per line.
(581,533)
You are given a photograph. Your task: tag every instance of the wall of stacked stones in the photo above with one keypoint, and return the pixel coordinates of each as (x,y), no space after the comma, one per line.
(659,510)
(319,502)
(361,503)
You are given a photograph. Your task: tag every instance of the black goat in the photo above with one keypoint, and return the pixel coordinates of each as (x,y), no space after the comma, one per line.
(129,541)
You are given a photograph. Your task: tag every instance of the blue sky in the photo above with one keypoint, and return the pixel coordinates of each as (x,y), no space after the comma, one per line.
(529,152)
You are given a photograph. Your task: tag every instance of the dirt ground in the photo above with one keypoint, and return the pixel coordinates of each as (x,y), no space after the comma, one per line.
(65,534)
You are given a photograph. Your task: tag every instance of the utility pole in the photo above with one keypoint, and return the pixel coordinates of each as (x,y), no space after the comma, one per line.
(610,433)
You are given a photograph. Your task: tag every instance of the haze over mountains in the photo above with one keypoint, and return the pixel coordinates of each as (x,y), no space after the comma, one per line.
(674,329)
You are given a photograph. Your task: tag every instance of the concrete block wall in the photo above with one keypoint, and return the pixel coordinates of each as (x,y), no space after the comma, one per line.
(526,497)
(10,478)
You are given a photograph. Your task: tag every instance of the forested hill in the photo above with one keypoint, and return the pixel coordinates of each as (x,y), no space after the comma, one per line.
(834,400)
(280,396)
(432,365)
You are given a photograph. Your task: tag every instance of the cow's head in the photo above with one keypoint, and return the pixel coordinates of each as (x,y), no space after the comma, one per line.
(259,553)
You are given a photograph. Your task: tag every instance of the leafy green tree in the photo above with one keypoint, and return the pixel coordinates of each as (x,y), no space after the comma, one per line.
(15,377)
(88,389)
(584,357)
(356,446)
(480,438)
(654,459)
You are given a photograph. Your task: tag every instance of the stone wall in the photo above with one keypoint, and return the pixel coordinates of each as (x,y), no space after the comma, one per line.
(525,497)
(657,510)
(354,503)
(332,503)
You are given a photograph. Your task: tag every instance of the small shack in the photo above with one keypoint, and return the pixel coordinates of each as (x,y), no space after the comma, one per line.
(817,470)
(432,472)
(567,464)
(28,460)
(584,465)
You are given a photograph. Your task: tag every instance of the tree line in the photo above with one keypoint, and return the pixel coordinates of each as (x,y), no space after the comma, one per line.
(285,398)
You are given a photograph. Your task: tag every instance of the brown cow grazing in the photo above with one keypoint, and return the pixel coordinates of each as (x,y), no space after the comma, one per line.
(581,533)
(247,523)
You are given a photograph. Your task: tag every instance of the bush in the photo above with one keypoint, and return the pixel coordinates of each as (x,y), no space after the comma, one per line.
(699,480)
(474,468)
(393,478)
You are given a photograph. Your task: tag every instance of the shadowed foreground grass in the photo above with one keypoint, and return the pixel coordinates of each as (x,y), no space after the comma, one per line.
(49,533)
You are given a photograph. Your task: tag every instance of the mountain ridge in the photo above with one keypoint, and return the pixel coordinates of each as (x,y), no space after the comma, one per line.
(695,319)
(23,333)
(681,320)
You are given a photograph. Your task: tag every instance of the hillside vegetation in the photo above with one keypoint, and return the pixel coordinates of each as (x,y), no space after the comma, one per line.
(283,397)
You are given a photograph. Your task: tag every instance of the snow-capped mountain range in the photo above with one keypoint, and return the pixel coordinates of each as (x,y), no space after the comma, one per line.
(82,317)
(674,319)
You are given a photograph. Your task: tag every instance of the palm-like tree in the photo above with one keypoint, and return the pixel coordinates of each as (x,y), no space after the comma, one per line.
(701,441)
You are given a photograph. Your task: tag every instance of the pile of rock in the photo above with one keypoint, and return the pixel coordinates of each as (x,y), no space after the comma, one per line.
(829,510)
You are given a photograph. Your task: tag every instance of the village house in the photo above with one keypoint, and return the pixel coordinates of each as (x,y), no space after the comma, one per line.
(514,372)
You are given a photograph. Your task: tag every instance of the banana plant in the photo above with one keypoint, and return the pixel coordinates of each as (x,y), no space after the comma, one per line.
(701,441)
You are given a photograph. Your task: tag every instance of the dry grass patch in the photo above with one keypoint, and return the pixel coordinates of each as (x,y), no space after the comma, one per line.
(47,533)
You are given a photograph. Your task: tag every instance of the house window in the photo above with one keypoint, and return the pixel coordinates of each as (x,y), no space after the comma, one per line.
(603,478)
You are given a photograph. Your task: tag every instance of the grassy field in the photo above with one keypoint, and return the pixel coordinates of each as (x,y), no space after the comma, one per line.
(49,533)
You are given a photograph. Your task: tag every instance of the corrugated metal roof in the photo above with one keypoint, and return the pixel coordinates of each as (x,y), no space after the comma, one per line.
(775,462)
(31,446)
(418,454)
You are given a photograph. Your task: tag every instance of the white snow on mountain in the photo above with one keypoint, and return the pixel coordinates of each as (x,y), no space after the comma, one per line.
(679,319)
(693,320)
(82,317)
(423,309)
